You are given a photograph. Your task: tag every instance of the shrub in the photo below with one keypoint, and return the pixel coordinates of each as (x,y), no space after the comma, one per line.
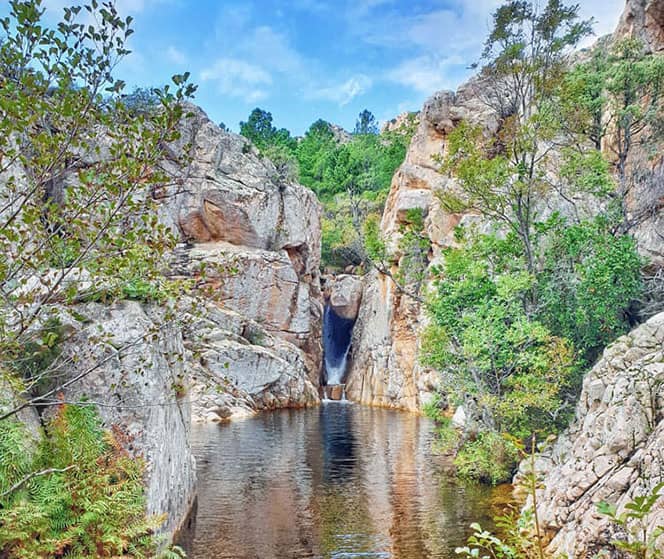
(491,458)
(79,495)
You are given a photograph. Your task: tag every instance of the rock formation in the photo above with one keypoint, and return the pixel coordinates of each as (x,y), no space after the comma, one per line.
(386,337)
(249,341)
(614,450)
(128,359)
(344,293)
(643,19)
(384,366)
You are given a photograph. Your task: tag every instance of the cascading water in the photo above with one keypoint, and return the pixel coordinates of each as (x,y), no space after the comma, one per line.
(337,333)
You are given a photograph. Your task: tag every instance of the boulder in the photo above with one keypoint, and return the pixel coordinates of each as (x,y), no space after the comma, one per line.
(345,295)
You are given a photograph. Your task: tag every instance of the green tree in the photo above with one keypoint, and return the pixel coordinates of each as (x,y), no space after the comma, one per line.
(524,58)
(314,152)
(366,123)
(481,338)
(589,281)
(259,129)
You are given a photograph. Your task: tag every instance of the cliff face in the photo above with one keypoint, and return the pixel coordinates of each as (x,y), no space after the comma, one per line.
(255,238)
(129,360)
(643,19)
(249,341)
(614,450)
(384,368)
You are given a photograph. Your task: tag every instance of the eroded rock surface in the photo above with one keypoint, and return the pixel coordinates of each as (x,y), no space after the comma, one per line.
(614,450)
(130,361)
(239,367)
(252,235)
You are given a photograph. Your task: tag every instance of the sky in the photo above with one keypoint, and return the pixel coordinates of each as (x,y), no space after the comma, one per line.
(308,59)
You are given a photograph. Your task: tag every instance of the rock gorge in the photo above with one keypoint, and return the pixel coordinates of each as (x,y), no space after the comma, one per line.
(252,239)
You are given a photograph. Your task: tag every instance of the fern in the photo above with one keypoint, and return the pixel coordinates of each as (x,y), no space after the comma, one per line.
(89,503)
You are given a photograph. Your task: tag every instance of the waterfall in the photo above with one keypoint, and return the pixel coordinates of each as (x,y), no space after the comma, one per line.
(337,333)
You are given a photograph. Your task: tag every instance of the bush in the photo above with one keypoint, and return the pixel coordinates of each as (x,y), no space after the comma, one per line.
(486,345)
(491,458)
(79,495)
(589,280)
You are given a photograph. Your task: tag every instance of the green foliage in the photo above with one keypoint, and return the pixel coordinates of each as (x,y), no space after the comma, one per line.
(37,354)
(61,105)
(642,543)
(491,458)
(589,279)
(373,242)
(366,123)
(342,232)
(80,494)
(259,129)
(414,246)
(515,368)
(618,91)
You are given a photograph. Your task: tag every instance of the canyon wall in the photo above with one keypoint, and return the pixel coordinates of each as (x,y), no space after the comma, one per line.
(246,339)
(252,239)
(384,366)
(614,449)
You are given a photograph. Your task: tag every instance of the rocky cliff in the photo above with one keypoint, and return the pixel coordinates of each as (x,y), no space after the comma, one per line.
(384,367)
(614,450)
(246,339)
(253,239)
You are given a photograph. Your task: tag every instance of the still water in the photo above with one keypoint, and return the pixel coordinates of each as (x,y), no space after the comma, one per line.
(340,481)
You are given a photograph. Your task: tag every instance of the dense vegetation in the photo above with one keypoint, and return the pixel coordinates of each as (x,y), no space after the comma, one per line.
(350,173)
(520,313)
(78,493)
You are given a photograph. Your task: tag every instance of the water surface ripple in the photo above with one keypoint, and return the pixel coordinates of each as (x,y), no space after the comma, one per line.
(336,482)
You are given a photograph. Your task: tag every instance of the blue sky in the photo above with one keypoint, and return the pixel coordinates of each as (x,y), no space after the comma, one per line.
(309,59)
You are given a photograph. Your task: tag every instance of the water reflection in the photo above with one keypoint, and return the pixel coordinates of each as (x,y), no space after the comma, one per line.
(340,481)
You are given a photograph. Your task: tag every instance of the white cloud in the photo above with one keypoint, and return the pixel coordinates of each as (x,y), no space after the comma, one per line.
(273,50)
(425,74)
(176,56)
(345,92)
(238,78)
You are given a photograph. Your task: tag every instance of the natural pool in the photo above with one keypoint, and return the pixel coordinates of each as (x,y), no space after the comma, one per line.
(338,481)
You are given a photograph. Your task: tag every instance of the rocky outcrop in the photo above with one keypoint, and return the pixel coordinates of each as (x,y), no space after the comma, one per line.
(344,293)
(239,368)
(384,368)
(129,359)
(614,450)
(643,19)
(252,238)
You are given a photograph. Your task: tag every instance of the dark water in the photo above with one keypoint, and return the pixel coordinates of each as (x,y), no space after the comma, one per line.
(340,481)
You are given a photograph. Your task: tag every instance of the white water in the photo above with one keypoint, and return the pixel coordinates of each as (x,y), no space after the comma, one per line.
(336,342)
(335,373)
